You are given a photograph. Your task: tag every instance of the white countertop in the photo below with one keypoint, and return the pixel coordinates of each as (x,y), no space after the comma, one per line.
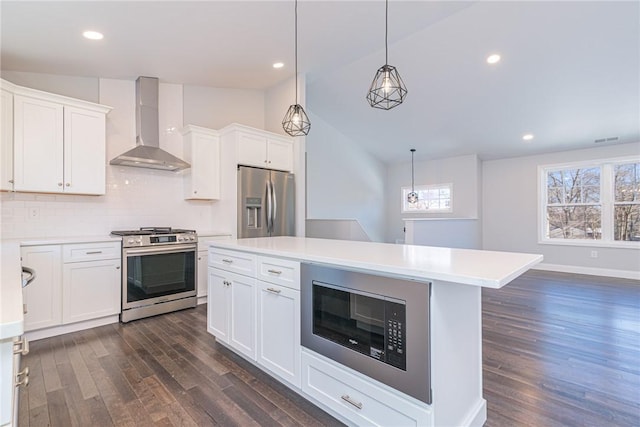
(489,269)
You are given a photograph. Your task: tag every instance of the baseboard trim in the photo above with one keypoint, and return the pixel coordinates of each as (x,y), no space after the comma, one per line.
(607,272)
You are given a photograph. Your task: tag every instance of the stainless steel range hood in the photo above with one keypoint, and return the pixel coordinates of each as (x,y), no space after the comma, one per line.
(147,153)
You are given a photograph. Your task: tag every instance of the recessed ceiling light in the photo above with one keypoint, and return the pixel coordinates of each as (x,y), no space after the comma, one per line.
(493,59)
(527,137)
(278,65)
(93,35)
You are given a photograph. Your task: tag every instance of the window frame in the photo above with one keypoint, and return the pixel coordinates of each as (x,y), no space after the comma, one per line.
(607,202)
(403,200)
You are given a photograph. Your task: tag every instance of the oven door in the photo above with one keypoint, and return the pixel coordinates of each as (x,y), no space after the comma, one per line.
(157,274)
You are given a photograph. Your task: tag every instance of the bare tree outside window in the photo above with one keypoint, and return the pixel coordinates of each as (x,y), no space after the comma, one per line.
(627,202)
(573,204)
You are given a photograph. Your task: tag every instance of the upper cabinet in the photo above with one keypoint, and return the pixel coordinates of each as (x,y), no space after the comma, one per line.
(6,141)
(202,152)
(59,143)
(261,148)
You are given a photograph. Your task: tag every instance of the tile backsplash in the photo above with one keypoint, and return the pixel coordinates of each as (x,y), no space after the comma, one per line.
(135,198)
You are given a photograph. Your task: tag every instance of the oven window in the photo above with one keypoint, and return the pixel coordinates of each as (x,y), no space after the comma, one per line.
(156,275)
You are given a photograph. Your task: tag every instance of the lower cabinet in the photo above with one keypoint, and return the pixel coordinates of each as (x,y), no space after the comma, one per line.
(73,283)
(231,310)
(357,398)
(279,331)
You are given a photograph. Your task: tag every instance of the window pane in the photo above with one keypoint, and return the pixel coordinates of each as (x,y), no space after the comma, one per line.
(574,222)
(627,183)
(627,222)
(574,186)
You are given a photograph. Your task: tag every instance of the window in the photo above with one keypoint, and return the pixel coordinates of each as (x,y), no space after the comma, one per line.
(587,203)
(431,199)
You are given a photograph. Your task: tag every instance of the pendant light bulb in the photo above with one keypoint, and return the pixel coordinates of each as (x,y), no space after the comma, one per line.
(412,197)
(387,89)
(295,121)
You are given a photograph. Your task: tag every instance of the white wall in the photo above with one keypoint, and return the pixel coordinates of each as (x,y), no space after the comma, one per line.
(464,172)
(510,209)
(87,88)
(215,108)
(343,180)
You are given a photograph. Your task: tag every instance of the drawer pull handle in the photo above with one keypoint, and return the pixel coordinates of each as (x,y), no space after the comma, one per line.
(22,377)
(347,399)
(275,271)
(21,346)
(94,252)
(275,291)
(227,260)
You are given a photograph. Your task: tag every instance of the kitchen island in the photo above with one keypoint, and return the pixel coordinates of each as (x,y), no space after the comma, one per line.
(251,274)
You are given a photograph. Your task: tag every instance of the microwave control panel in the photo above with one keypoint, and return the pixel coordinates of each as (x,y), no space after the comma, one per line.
(395,335)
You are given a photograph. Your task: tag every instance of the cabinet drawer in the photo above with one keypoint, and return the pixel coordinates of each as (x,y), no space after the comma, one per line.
(236,262)
(91,251)
(279,271)
(357,399)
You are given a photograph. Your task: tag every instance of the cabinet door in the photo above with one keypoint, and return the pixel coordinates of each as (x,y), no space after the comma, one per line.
(279,331)
(38,145)
(90,290)
(6,141)
(252,150)
(202,179)
(242,326)
(280,155)
(84,151)
(43,296)
(218,304)
(201,285)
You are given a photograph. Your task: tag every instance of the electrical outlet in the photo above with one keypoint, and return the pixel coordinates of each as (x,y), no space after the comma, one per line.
(594,254)
(34,214)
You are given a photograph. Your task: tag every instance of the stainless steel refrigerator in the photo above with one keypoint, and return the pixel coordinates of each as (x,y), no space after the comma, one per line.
(266,203)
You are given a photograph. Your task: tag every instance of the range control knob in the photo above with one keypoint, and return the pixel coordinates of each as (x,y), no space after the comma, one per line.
(130,241)
(138,240)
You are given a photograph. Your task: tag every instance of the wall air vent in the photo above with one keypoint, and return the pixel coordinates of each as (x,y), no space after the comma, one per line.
(610,139)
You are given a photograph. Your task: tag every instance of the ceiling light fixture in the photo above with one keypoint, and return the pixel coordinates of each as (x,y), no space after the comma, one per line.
(93,35)
(387,89)
(295,121)
(493,59)
(527,137)
(413,196)
(278,65)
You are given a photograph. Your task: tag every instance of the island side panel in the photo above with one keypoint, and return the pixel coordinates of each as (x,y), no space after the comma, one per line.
(456,355)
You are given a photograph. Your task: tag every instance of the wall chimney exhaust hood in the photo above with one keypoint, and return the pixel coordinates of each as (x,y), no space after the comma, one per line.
(147,153)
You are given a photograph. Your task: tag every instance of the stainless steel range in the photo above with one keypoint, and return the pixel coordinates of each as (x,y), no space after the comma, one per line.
(158,271)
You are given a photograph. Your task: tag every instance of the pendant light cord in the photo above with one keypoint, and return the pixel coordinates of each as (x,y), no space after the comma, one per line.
(412,174)
(296,46)
(386,32)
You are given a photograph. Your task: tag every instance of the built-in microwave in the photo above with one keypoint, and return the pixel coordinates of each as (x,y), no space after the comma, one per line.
(374,324)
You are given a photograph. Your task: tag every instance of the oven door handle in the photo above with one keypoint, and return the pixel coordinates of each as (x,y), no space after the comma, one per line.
(159,250)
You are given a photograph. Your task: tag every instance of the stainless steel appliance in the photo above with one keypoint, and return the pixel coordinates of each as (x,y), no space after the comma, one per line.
(266,203)
(158,271)
(376,325)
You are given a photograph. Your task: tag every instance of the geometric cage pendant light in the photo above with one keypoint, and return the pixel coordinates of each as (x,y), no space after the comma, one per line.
(412,197)
(295,121)
(387,89)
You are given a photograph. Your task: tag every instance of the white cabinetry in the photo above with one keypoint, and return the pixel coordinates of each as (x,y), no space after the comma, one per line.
(6,141)
(231,310)
(278,311)
(43,297)
(90,281)
(254,308)
(74,283)
(202,152)
(203,252)
(58,143)
(260,148)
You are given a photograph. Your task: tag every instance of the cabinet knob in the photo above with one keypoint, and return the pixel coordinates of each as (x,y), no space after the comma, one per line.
(59,184)
(10,181)
(195,191)
(118,268)
(68,184)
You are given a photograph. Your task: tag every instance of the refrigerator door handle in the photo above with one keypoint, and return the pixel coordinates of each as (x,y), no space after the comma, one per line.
(269,197)
(274,212)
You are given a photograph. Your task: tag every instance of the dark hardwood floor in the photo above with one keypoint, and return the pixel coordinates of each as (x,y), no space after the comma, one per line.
(559,350)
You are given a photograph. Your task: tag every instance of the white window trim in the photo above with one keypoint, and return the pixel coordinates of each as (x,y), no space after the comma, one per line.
(427,187)
(606,201)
